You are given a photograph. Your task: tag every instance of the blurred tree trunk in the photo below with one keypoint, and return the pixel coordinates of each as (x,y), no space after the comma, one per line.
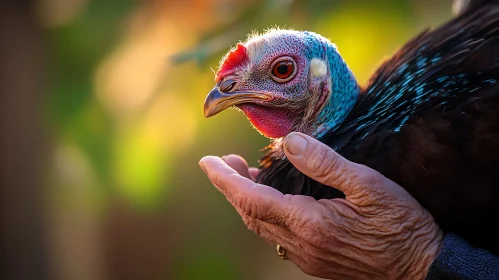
(24,255)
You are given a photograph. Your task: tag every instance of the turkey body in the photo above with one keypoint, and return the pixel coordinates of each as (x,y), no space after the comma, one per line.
(428,120)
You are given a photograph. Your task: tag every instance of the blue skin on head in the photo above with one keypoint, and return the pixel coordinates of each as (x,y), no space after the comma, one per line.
(344,87)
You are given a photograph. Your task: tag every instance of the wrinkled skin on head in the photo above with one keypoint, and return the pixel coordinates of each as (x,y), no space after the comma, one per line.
(282,105)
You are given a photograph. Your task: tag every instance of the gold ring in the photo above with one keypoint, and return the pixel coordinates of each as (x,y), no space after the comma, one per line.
(281,252)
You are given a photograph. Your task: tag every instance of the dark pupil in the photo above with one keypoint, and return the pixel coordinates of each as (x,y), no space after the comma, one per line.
(282,68)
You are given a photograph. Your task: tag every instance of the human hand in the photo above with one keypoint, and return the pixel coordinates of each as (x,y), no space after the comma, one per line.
(377,232)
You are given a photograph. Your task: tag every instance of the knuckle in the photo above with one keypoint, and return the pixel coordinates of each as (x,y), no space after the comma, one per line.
(251,224)
(217,180)
(254,226)
(247,206)
(242,203)
(317,157)
(325,165)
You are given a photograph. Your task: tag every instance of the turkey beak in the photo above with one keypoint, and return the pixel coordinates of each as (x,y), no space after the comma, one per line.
(217,101)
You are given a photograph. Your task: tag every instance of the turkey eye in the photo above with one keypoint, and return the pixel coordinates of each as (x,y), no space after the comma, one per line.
(283,69)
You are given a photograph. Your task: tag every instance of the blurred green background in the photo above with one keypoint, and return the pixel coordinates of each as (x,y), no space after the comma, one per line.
(103,127)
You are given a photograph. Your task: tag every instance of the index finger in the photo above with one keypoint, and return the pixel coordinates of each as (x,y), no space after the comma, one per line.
(255,200)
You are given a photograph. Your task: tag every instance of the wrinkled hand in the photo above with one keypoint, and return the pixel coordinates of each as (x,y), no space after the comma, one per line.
(377,232)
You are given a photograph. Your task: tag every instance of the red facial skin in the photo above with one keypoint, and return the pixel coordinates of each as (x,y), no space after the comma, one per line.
(235,58)
(271,122)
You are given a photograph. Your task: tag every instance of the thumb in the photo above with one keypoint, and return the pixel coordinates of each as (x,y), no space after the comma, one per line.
(324,165)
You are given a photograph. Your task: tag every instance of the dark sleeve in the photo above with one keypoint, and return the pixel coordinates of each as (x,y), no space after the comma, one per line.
(458,260)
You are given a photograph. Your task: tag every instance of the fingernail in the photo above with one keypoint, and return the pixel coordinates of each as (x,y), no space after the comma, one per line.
(201,165)
(295,144)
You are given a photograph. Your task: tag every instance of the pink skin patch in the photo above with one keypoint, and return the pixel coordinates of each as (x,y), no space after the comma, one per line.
(271,122)
(234,59)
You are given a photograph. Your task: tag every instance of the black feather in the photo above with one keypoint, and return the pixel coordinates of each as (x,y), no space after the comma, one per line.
(428,120)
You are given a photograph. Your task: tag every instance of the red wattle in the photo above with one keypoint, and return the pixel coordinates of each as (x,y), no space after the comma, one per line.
(271,122)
